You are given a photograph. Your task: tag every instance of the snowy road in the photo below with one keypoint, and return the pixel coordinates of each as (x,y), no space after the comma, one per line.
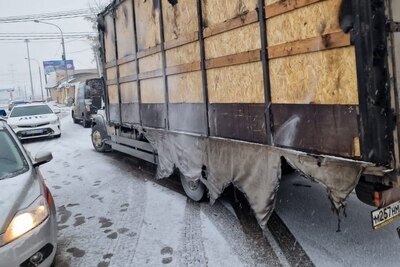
(112,213)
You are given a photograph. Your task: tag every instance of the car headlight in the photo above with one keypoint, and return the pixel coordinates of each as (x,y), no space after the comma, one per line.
(26,220)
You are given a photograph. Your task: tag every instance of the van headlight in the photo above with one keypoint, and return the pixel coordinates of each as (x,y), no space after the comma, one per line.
(26,220)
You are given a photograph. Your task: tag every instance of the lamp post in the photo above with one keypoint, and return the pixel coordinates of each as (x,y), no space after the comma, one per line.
(64,56)
(30,69)
(40,76)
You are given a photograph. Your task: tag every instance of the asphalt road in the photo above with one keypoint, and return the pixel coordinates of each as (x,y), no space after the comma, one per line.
(112,212)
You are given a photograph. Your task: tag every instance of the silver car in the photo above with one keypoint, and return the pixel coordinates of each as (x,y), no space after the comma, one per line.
(28,225)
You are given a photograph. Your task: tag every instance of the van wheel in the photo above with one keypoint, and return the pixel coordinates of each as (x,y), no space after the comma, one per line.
(195,190)
(98,138)
(74,119)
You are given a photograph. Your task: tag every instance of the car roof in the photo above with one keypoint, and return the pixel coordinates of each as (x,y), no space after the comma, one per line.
(31,105)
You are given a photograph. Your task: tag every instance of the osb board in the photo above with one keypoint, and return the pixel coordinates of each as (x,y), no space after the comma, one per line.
(185,54)
(310,21)
(129,93)
(396,10)
(236,84)
(127,69)
(147,23)
(217,11)
(179,19)
(113,94)
(109,36)
(125,29)
(327,77)
(152,91)
(149,63)
(242,39)
(185,88)
(112,73)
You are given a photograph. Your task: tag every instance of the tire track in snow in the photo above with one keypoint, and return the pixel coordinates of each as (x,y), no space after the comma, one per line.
(192,251)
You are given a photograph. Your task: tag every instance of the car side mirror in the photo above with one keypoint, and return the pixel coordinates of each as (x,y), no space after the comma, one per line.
(42,158)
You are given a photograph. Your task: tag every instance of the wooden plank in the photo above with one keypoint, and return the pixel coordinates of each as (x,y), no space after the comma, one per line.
(186,39)
(151,74)
(126,59)
(231,60)
(183,68)
(231,24)
(319,43)
(150,51)
(283,6)
(130,78)
(111,64)
(112,82)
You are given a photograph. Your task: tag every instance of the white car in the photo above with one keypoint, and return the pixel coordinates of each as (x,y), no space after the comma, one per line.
(34,121)
(28,224)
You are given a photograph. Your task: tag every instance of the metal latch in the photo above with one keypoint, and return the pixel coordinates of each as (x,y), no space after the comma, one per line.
(393,26)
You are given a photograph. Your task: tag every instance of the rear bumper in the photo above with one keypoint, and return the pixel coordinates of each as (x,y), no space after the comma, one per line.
(42,238)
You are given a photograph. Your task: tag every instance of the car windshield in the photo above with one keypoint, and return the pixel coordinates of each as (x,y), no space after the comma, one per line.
(31,111)
(12,161)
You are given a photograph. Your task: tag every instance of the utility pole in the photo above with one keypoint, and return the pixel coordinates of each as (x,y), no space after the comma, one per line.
(40,76)
(30,69)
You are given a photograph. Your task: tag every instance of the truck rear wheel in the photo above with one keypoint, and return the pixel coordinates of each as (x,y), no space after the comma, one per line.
(98,140)
(75,120)
(195,190)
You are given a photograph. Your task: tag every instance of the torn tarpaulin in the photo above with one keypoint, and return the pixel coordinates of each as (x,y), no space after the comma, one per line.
(253,168)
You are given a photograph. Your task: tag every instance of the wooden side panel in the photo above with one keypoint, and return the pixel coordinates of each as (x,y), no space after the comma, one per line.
(327,77)
(185,88)
(217,11)
(183,54)
(150,63)
(129,93)
(147,23)
(111,73)
(125,32)
(309,21)
(129,103)
(180,18)
(152,91)
(113,103)
(232,42)
(236,84)
(127,69)
(109,36)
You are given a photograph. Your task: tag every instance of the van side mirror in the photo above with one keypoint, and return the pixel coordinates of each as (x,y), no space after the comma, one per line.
(42,158)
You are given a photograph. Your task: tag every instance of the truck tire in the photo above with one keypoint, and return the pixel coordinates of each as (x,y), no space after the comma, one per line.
(194,190)
(98,139)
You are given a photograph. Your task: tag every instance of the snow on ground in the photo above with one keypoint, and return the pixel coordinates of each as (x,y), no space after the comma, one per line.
(112,213)
(305,208)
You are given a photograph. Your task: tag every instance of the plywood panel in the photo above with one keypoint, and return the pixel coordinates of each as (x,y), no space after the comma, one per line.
(127,69)
(236,84)
(129,93)
(125,32)
(109,36)
(232,42)
(310,21)
(183,54)
(179,19)
(112,73)
(217,11)
(327,77)
(147,23)
(185,88)
(149,63)
(113,94)
(152,91)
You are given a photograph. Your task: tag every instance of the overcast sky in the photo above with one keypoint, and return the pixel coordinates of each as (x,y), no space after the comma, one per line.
(13,53)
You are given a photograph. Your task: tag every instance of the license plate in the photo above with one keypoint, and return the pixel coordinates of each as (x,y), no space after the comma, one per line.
(35,132)
(386,215)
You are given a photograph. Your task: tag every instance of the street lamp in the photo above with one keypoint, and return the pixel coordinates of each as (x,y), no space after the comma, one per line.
(40,75)
(64,56)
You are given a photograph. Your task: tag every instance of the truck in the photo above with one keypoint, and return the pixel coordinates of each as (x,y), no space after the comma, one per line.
(228,92)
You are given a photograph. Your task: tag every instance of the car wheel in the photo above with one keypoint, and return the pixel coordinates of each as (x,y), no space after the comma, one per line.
(98,138)
(195,190)
(86,123)
(74,119)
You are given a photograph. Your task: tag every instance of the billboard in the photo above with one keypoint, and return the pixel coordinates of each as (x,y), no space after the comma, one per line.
(57,65)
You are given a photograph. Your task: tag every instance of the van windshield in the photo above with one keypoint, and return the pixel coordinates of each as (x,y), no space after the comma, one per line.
(31,111)
(12,162)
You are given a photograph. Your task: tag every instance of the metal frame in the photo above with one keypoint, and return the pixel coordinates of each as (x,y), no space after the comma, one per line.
(116,60)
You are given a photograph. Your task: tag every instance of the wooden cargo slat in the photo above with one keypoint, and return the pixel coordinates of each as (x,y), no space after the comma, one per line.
(279,7)
(183,68)
(231,60)
(150,51)
(130,78)
(320,43)
(183,40)
(150,74)
(126,59)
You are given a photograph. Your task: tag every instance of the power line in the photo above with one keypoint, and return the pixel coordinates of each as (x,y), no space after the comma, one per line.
(48,16)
